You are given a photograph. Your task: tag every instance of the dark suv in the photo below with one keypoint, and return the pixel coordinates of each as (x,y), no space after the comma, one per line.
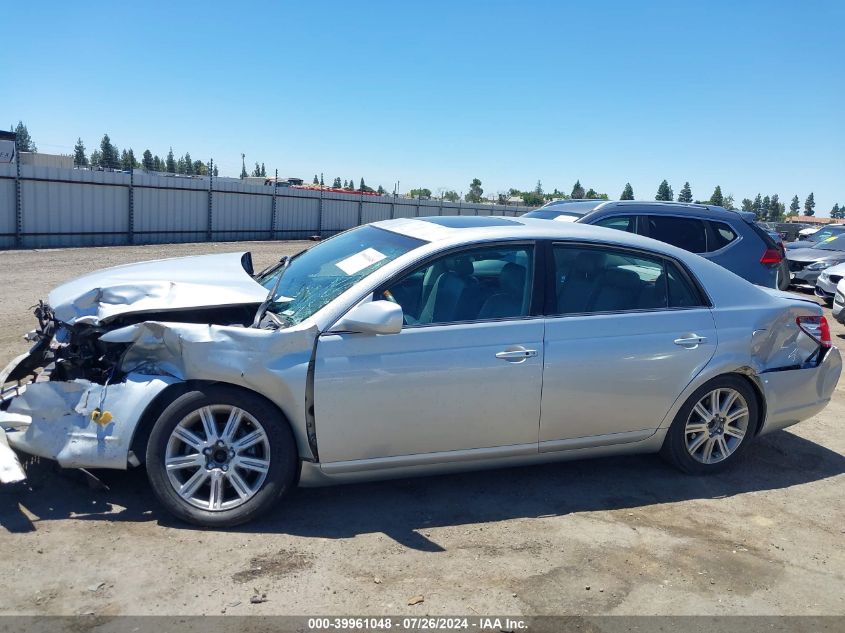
(729,238)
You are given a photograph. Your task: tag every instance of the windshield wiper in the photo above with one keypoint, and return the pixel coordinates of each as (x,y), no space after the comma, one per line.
(262,309)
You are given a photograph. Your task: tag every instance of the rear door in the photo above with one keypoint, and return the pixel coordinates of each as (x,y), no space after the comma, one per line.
(626,332)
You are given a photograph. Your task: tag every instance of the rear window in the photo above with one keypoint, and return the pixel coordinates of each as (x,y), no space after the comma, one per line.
(686,233)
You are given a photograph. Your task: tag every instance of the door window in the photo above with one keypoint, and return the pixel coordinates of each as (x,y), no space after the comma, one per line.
(686,233)
(487,283)
(590,279)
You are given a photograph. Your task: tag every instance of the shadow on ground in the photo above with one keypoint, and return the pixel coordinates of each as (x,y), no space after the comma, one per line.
(400,509)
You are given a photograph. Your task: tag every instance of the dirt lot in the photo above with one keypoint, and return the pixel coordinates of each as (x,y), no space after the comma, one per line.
(609,536)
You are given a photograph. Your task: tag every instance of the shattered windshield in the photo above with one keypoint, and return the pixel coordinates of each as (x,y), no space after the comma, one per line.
(317,276)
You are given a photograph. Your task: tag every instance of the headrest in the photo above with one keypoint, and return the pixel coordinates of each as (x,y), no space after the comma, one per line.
(461,266)
(621,278)
(512,278)
(589,261)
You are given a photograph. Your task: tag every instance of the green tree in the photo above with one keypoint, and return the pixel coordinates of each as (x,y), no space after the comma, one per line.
(79,157)
(316,180)
(364,187)
(748,205)
(475,191)
(578,192)
(532,198)
(96,158)
(244,173)
(108,153)
(765,207)
(263,171)
(834,211)
(421,193)
(794,205)
(451,196)
(717,199)
(351,185)
(810,205)
(757,206)
(189,164)
(23,141)
(686,193)
(337,184)
(380,190)
(215,171)
(180,165)
(147,160)
(125,161)
(627,192)
(592,194)
(775,207)
(200,168)
(664,192)
(169,163)
(728,202)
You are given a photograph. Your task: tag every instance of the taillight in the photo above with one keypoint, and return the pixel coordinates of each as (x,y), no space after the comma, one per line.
(816,328)
(771,256)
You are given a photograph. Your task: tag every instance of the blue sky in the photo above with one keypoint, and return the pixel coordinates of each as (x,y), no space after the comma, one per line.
(747,95)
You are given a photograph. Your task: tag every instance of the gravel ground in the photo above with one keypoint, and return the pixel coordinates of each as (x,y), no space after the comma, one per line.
(608,536)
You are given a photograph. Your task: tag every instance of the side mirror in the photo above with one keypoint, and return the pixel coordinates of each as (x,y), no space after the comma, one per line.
(375,317)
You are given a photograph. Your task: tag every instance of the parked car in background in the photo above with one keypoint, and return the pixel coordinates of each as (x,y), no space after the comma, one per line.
(819,236)
(407,347)
(804,233)
(730,238)
(563,210)
(828,281)
(806,264)
(839,302)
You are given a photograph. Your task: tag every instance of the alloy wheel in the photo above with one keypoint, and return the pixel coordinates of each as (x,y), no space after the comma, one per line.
(217,457)
(716,425)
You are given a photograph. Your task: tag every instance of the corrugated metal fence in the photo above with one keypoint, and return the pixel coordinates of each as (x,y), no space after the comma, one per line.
(43,207)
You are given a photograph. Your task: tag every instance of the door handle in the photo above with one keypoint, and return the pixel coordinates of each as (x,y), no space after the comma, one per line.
(516,355)
(690,341)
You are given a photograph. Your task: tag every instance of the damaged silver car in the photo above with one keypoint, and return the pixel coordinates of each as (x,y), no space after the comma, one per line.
(408,347)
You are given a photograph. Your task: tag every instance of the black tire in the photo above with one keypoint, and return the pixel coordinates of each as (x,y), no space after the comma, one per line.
(674,448)
(280,474)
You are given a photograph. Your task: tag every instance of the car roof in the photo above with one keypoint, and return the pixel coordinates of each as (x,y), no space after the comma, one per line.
(447,230)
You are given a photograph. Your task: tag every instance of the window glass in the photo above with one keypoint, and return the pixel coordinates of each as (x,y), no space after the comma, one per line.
(681,293)
(480,284)
(686,233)
(722,235)
(607,280)
(318,275)
(620,222)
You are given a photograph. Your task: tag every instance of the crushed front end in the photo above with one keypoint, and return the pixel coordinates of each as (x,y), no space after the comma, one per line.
(66,399)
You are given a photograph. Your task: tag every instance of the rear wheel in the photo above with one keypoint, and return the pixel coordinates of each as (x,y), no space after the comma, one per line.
(220,457)
(713,427)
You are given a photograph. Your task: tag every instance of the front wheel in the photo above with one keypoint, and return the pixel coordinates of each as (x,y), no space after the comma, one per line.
(219,456)
(713,427)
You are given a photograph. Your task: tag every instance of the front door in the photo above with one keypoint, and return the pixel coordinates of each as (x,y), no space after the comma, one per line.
(463,375)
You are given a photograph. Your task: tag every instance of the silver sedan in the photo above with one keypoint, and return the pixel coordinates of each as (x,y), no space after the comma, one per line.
(409,347)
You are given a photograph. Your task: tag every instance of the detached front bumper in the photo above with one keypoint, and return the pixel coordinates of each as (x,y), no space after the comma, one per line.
(80,424)
(794,395)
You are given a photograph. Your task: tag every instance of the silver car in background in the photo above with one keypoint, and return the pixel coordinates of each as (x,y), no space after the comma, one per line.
(410,347)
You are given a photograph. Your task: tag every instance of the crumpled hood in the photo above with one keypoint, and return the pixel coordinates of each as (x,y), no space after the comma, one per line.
(812,254)
(165,284)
